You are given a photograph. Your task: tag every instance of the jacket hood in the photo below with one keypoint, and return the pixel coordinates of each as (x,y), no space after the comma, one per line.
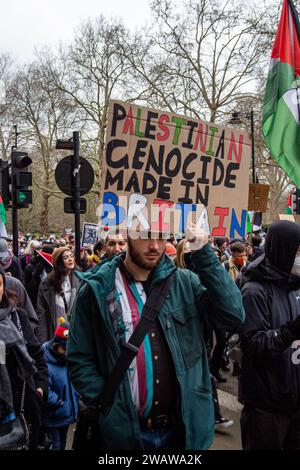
(275,264)
(51,356)
(257,251)
(282,243)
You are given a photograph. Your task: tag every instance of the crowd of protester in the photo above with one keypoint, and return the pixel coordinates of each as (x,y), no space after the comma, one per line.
(38,292)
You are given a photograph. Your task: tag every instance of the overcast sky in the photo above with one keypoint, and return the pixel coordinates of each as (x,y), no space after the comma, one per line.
(26,24)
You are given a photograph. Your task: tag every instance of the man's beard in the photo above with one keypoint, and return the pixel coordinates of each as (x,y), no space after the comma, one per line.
(138,259)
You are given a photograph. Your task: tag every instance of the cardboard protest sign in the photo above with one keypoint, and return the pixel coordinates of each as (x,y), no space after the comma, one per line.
(89,234)
(258,197)
(289,217)
(174,164)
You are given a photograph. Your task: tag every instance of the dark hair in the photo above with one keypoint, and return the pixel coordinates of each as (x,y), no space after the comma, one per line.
(56,277)
(219,241)
(10,298)
(236,240)
(256,240)
(48,248)
(98,246)
(238,247)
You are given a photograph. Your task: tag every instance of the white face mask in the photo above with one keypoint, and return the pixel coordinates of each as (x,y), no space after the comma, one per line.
(296,267)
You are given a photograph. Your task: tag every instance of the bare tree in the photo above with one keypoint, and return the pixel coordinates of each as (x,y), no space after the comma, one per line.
(90,72)
(200,57)
(6,115)
(43,114)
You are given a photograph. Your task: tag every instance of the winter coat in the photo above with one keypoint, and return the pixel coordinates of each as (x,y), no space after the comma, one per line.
(32,278)
(93,348)
(16,286)
(62,406)
(46,310)
(270,377)
(33,400)
(40,379)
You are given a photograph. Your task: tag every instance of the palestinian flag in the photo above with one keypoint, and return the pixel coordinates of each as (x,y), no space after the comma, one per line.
(281,114)
(254,220)
(249,222)
(2,211)
(289,208)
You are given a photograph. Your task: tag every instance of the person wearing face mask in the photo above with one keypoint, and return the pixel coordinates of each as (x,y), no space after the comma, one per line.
(237,260)
(296,265)
(270,375)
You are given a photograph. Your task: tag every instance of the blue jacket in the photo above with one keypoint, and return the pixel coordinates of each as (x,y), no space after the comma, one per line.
(62,406)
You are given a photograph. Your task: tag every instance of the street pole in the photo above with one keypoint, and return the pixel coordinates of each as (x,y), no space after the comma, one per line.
(76,195)
(14,211)
(252,147)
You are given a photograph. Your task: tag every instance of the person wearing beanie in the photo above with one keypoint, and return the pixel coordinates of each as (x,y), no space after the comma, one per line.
(22,362)
(270,368)
(56,293)
(8,262)
(62,405)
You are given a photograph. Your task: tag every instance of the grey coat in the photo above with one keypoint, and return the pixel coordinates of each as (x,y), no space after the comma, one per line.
(46,309)
(13,284)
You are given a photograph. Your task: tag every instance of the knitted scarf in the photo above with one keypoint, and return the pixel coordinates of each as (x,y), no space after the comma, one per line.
(65,300)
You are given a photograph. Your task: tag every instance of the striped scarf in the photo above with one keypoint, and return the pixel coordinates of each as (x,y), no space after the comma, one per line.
(132,298)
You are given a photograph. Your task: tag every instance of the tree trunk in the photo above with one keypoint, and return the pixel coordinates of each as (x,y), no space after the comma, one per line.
(44,223)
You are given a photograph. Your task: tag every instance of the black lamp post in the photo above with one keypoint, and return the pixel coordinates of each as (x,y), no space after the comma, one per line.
(236,119)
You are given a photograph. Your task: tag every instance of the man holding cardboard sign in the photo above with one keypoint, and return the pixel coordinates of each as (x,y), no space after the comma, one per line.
(162,398)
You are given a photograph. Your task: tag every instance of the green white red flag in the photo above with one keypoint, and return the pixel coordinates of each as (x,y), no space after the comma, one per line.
(3,232)
(281,114)
(289,207)
(2,211)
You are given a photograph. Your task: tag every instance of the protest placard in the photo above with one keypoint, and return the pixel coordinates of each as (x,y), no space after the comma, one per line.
(258,197)
(173,163)
(289,217)
(89,234)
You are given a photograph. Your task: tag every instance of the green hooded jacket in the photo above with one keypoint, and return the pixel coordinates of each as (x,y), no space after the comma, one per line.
(93,347)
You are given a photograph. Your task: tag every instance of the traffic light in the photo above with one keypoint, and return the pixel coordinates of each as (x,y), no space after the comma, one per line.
(16,177)
(22,178)
(296,201)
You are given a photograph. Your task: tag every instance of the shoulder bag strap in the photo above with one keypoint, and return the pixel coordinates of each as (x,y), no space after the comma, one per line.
(149,314)
(19,326)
